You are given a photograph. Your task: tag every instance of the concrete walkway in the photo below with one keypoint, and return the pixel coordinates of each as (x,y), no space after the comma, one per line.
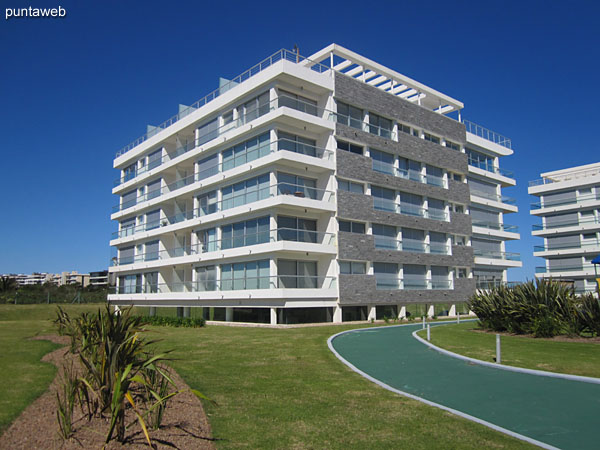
(552,411)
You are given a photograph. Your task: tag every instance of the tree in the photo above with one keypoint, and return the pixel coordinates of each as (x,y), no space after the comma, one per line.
(7,284)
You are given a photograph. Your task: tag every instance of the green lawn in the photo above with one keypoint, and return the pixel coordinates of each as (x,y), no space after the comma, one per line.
(578,358)
(276,388)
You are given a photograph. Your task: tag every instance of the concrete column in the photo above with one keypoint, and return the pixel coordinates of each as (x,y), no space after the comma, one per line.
(372,312)
(452,311)
(431,311)
(152,311)
(229,314)
(186,311)
(273,316)
(337,314)
(402,312)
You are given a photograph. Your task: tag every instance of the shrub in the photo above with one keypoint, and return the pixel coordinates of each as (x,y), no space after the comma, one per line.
(174,321)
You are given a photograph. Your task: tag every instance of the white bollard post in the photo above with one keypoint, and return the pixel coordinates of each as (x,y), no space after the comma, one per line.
(498,355)
(428,332)
(423,322)
(458,318)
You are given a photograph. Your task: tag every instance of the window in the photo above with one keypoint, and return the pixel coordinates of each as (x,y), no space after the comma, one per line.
(349,115)
(353,267)
(410,169)
(431,138)
(153,219)
(459,240)
(206,278)
(128,200)
(248,275)
(254,108)
(413,240)
(383,199)
(153,189)
(296,229)
(242,234)
(129,173)
(127,227)
(436,209)
(459,209)
(351,227)
(155,159)
(208,131)
(480,160)
(452,145)
(414,276)
(227,117)
(207,203)
(461,272)
(386,276)
(245,192)
(386,236)
(435,176)
(296,144)
(411,204)
(352,148)
(246,151)
(403,128)
(207,240)
(208,167)
(151,252)
(297,274)
(457,177)
(437,243)
(382,162)
(380,126)
(440,278)
(297,102)
(357,188)
(151,282)
(295,185)
(130,284)
(126,255)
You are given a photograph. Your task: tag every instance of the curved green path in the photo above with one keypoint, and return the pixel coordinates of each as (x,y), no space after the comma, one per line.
(560,413)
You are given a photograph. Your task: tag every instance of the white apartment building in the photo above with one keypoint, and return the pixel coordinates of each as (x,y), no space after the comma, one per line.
(327,188)
(569,207)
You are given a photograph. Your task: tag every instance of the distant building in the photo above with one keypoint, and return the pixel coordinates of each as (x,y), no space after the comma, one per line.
(75,278)
(569,206)
(102,278)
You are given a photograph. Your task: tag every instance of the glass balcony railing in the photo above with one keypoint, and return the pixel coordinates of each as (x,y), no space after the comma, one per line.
(490,168)
(235,241)
(570,201)
(578,268)
(382,167)
(382,204)
(391,282)
(582,246)
(567,223)
(489,283)
(486,134)
(281,189)
(496,226)
(281,101)
(251,155)
(494,197)
(497,255)
(233,284)
(407,245)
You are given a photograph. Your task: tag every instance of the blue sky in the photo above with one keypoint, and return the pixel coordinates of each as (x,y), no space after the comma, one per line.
(75,90)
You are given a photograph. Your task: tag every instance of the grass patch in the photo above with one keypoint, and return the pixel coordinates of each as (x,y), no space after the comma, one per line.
(276,388)
(577,358)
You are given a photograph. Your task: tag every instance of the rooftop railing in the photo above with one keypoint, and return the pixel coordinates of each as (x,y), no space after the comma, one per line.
(280,189)
(575,175)
(266,63)
(580,198)
(235,241)
(486,134)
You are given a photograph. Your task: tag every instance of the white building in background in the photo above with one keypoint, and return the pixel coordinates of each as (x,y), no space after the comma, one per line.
(327,188)
(569,207)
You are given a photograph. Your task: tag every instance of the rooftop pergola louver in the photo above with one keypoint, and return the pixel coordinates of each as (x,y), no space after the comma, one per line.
(363,69)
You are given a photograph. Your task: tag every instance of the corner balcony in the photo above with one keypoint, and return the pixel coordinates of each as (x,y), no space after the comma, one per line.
(580,202)
(482,137)
(502,202)
(500,259)
(566,227)
(290,195)
(494,229)
(505,177)
(287,240)
(577,271)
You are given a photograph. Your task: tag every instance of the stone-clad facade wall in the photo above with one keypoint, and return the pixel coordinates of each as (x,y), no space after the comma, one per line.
(361,289)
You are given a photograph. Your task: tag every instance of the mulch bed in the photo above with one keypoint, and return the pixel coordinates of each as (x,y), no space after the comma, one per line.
(184,424)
